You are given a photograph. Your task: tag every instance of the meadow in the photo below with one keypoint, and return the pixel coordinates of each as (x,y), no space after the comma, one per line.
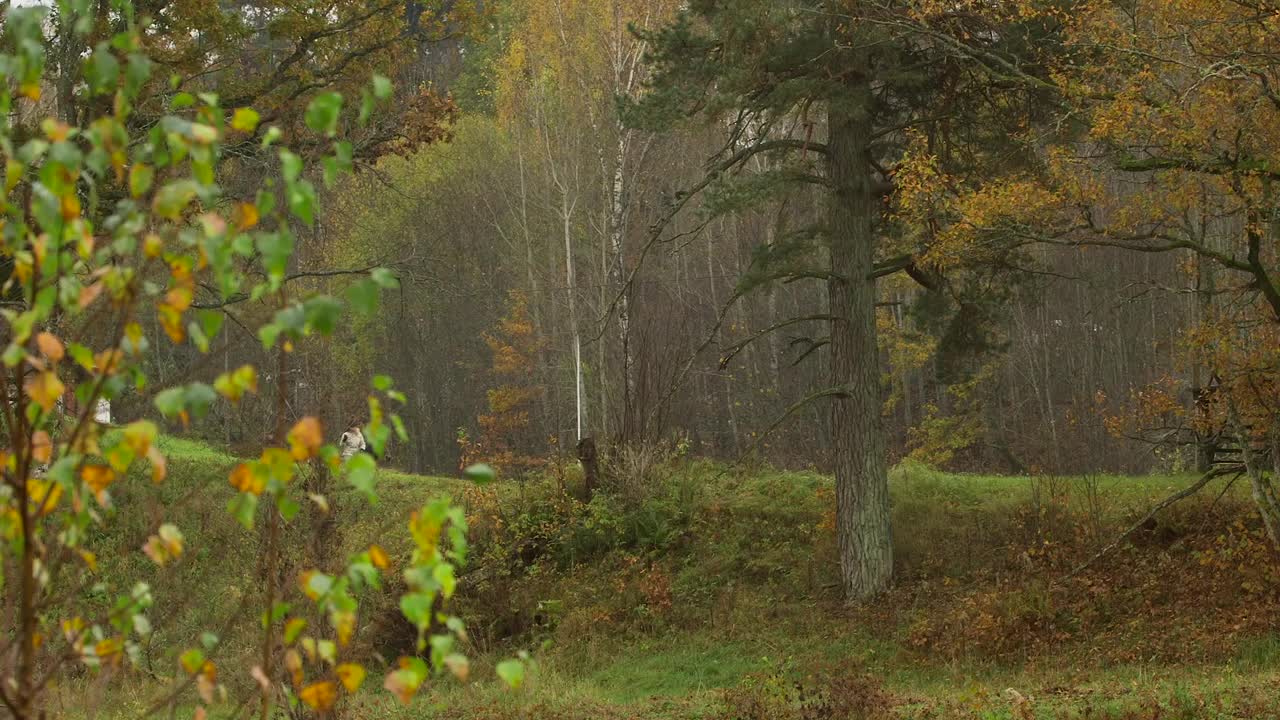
(689,589)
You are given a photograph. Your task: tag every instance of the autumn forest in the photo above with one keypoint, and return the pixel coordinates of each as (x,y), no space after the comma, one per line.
(655,359)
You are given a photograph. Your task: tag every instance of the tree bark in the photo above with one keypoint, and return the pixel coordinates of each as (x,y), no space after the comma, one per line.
(862,484)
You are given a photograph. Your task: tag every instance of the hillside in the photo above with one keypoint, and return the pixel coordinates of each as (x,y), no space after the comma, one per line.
(693,590)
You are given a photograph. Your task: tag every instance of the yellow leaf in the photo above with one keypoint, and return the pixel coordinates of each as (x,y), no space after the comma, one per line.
(30,90)
(139,435)
(171,321)
(246,216)
(344,623)
(44,496)
(293,663)
(70,205)
(245,119)
(50,346)
(305,438)
(72,628)
(320,696)
(378,557)
(351,675)
(152,245)
(45,388)
(108,648)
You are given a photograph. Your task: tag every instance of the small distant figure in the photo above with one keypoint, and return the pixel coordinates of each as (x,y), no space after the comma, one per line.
(352,442)
(102,411)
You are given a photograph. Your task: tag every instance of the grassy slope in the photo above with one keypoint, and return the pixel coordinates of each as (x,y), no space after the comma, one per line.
(737,583)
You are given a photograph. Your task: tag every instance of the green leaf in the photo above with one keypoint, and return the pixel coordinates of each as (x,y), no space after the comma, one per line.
(171,402)
(323,313)
(480,473)
(361,470)
(323,111)
(366,106)
(319,584)
(381,87)
(385,278)
(443,574)
(211,322)
(288,507)
(243,508)
(290,166)
(199,397)
(268,334)
(141,176)
(192,661)
(276,249)
(102,71)
(511,672)
(174,197)
(417,608)
(273,134)
(363,296)
(302,201)
(382,382)
(208,640)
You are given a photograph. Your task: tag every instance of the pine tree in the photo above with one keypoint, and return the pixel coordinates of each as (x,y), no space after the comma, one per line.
(827,97)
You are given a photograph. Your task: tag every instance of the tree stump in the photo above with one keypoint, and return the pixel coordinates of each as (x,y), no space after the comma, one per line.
(590,465)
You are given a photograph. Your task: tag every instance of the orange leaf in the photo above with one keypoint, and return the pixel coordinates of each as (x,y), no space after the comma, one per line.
(320,696)
(246,216)
(403,684)
(41,446)
(378,557)
(244,479)
(305,438)
(45,388)
(98,477)
(50,346)
(89,293)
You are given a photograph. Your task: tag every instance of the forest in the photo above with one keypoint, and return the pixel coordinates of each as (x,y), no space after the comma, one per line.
(658,359)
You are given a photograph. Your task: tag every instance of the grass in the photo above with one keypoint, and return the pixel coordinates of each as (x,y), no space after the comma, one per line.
(716,587)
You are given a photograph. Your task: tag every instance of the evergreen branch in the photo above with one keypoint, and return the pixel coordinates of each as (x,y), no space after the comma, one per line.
(736,348)
(838,392)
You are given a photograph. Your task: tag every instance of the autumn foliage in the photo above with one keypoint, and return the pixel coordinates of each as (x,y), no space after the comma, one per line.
(505,439)
(111,225)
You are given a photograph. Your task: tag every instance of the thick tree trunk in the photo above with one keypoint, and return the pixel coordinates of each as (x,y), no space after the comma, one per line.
(862,484)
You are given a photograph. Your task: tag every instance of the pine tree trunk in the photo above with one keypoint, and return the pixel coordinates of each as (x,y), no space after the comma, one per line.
(862,484)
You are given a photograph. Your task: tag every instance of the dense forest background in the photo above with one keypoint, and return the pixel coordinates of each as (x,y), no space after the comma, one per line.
(550,291)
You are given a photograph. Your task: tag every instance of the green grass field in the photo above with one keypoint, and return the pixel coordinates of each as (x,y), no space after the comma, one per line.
(713,594)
